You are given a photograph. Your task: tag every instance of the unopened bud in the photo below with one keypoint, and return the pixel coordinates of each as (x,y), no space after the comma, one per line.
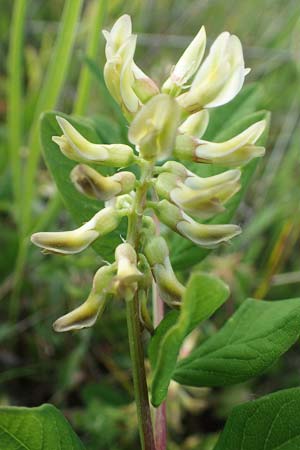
(154,128)
(156,250)
(187,64)
(170,289)
(157,254)
(91,183)
(87,314)
(75,241)
(79,149)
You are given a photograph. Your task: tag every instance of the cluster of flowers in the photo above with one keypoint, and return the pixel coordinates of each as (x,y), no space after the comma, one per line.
(164,124)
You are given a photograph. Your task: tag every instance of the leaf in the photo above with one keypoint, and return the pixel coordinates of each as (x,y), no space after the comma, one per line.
(80,207)
(41,428)
(185,253)
(270,423)
(203,296)
(250,342)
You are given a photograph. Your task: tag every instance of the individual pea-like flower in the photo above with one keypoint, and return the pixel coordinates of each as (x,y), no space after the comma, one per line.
(74,146)
(153,129)
(87,313)
(92,184)
(75,241)
(200,197)
(220,77)
(237,151)
(127,83)
(157,254)
(205,235)
(127,271)
(187,64)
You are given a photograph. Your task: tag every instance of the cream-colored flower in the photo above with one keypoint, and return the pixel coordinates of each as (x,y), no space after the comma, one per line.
(91,183)
(127,83)
(204,235)
(237,151)
(153,129)
(126,259)
(75,241)
(200,197)
(76,147)
(220,77)
(87,313)
(187,64)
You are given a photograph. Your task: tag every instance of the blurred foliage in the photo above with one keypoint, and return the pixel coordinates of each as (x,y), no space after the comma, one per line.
(88,373)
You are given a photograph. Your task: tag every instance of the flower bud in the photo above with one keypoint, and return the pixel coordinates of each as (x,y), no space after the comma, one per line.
(170,289)
(235,152)
(126,260)
(87,314)
(220,77)
(156,250)
(195,124)
(187,64)
(154,128)
(92,184)
(76,147)
(201,234)
(71,242)
(157,254)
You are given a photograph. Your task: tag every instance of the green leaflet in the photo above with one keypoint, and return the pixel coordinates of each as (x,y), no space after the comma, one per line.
(250,342)
(204,294)
(185,254)
(270,423)
(80,207)
(42,428)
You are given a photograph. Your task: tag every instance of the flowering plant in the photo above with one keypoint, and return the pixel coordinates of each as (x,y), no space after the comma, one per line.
(162,193)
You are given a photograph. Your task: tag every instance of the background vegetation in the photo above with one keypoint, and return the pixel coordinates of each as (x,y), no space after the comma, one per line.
(58,65)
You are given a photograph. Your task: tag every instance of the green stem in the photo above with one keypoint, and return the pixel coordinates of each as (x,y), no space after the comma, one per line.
(14,95)
(84,85)
(134,325)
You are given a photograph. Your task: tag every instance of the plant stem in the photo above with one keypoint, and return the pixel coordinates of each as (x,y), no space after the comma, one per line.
(160,413)
(139,375)
(134,325)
